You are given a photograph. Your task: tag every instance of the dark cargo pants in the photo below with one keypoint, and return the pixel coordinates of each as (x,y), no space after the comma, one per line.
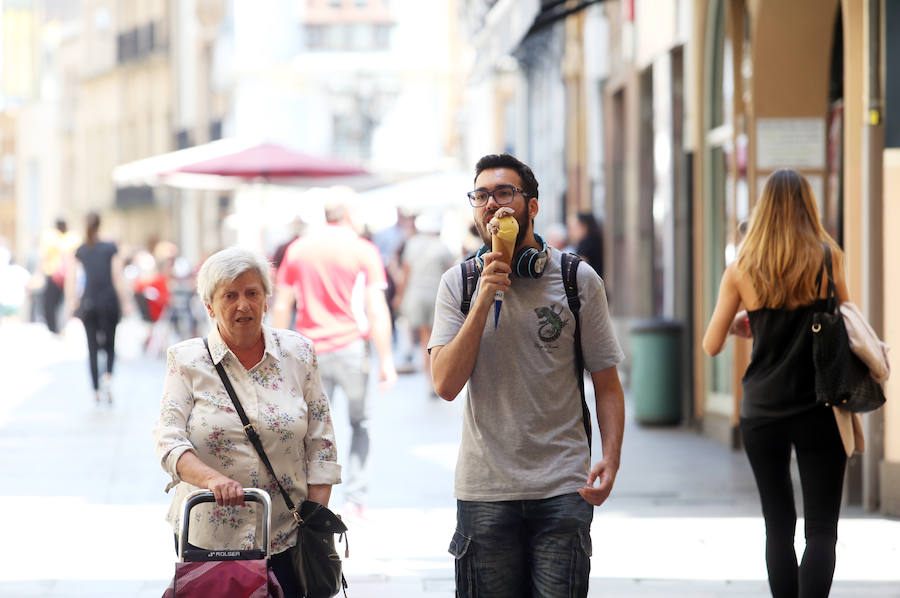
(538,548)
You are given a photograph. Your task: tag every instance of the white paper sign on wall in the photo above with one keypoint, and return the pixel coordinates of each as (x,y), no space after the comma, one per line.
(790,143)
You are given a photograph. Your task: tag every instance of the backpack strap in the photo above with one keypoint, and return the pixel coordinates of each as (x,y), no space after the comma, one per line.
(469,269)
(570,263)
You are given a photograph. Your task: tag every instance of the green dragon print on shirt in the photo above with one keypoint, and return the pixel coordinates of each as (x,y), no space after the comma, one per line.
(550,323)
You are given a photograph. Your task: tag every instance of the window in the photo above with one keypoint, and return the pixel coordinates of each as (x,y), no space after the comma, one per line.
(313,35)
(127,45)
(382,38)
(145,39)
(347,37)
(215,130)
(137,42)
(361,36)
(183,139)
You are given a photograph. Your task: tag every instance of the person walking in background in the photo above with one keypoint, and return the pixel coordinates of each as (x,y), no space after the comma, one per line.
(185,306)
(320,271)
(200,441)
(297,228)
(13,283)
(390,242)
(151,288)
(586,236)
(525,487)
(57,247)
(774,279)
(100,305)
(425,257)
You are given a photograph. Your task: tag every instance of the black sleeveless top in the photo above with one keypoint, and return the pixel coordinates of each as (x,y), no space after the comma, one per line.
(99,292)
(780,380)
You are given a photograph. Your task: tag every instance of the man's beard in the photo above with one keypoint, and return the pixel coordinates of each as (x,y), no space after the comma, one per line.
(524,227)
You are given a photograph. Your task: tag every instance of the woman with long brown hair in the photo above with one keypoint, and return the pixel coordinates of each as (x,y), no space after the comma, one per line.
(774,278)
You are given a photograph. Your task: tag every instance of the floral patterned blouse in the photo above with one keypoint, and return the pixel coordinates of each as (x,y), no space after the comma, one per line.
(283,398)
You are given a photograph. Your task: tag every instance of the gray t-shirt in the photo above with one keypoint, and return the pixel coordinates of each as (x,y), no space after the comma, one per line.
(523,436)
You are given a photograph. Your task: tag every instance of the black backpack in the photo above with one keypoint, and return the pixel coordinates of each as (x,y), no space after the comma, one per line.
(470,273)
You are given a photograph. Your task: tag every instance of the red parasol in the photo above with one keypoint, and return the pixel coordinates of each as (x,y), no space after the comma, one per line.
(269,160)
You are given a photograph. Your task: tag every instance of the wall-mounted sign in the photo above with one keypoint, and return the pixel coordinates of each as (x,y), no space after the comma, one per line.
(790,143)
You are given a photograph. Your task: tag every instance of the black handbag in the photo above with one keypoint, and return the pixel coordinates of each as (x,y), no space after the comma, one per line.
(842,379)
(316,561)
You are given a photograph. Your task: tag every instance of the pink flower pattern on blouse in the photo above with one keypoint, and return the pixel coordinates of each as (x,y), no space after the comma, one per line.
(285,402)
(278,422)
(221,447)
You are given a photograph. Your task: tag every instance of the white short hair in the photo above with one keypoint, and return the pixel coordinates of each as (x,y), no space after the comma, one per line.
(227,265)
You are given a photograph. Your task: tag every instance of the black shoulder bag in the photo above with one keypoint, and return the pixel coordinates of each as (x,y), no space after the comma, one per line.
(316,561)
(842,379)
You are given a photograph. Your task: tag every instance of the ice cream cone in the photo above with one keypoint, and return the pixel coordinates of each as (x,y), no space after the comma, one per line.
(505,247)
(504,229)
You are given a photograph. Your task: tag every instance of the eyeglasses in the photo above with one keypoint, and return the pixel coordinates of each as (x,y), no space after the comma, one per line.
(503,194)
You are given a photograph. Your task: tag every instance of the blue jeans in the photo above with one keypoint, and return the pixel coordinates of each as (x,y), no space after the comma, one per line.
(519,548)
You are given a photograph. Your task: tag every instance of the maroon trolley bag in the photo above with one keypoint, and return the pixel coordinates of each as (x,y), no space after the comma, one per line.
(202,573)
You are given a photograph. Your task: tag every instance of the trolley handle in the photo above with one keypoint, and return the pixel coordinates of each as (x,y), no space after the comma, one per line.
(204,496)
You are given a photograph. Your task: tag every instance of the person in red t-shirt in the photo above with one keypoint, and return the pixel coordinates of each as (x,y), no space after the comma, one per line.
(155,291)
(331,273)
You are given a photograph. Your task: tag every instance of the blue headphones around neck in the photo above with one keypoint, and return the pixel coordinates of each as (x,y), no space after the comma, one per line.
(528,262)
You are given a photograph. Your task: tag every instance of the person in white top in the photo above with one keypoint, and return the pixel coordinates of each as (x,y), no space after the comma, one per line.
(200,440)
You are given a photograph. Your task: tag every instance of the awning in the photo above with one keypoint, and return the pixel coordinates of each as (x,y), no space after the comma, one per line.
(509,22)
(268,161)
(156,170)
(504,28)
(226,163)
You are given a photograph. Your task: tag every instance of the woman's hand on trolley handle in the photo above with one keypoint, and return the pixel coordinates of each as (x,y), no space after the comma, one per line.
(228,492)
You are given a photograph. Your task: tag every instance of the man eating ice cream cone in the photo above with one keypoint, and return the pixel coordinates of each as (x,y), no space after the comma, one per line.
(525,486)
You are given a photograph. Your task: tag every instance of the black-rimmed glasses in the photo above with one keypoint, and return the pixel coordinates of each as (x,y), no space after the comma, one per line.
(502,194)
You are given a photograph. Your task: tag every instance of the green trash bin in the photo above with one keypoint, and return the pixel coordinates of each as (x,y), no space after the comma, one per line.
(656,371)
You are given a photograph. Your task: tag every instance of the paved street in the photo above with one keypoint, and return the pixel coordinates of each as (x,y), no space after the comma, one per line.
(83,503)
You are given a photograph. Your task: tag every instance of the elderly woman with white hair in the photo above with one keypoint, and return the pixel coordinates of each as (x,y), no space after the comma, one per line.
(200,439)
